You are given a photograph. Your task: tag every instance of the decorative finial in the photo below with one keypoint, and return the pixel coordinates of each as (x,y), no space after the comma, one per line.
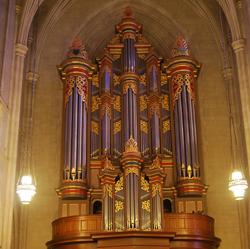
(181,47)
(128,13)
(77,49)
(156,163)
(131,145)
(107,164)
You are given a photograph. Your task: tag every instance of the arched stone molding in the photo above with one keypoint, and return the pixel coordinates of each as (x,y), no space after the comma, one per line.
(229,9)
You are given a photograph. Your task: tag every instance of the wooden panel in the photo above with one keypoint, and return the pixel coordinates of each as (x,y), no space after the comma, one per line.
(189,224)
(69,227)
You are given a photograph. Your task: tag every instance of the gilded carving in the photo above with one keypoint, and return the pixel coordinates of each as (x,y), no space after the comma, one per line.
(129,85)
(117,126)
(146,205)
(165,102)
(144,126)
(189,81)
(142,79)
(95,127)
(156,163)
(164,79)
(177,82)
(106,102)
(119,185)
(131,145)
(166,126)
(156,189)
(108,190)
(107,164)
(154,104)
(116,79)
(118,206)
(95,103)
(143,103)
(95,80)
(132,170)
(117,103)
(82,87)
(70,82)
(144,184)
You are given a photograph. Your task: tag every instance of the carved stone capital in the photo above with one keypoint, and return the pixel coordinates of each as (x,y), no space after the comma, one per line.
(21,50)
(32,77)
(238,45)
(227,73)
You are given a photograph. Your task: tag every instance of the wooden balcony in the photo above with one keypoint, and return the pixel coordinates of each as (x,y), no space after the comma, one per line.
(181,230)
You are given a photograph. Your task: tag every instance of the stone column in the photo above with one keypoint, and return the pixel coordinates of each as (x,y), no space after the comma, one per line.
(12,145)
(239,50)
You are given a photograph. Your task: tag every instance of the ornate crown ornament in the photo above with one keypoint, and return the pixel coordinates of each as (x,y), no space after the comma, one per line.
(131,145)
(77,49)
(107,164)
(181,47)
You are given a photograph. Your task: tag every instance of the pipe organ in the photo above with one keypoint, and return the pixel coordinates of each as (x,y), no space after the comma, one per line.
(130,154)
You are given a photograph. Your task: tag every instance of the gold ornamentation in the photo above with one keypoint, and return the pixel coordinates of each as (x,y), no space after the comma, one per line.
(95,103)
(70,82)
(116,79)
(107,164)
(118,206)
(156,188)
(82,87)
(117,103)
(154,104)
(73,173)
(143,103)
(144,126)
(166,126)
(108,190)
(95,80)
(142,79)
(106,102)
(132,170)
(178,80)
(189,81)
(156,163)
(117,126)
(189,171)
(164,79)
(95,127)
(165,102)
(119,185)
(144,184)
(142,56)
(131,145)
(146,205)
(129,84)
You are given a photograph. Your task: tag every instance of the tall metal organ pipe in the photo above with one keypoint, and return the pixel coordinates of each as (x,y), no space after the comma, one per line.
(75,71)
(182,71)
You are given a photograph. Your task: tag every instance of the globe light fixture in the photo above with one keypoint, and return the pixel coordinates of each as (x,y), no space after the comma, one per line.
(237,184)
(26,189)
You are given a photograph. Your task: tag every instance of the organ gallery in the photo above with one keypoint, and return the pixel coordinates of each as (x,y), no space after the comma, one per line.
(131,174)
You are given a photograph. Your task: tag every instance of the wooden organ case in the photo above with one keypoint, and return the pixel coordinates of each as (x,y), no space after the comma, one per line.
(131,174)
